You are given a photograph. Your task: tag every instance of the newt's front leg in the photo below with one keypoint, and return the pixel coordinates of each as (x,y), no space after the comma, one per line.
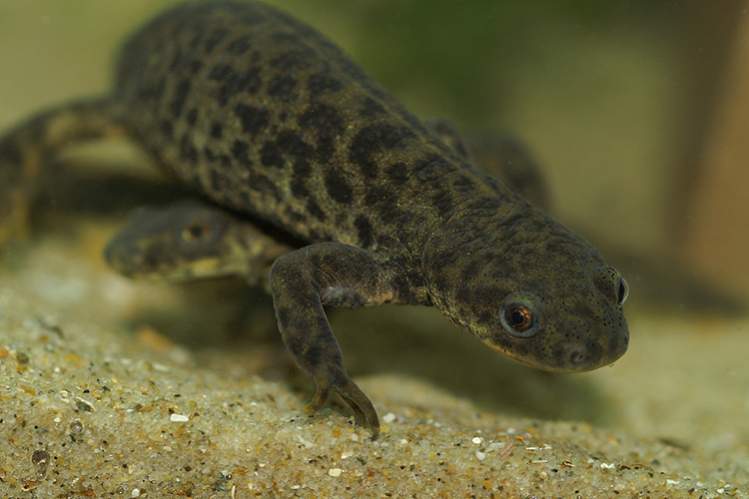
(304,281)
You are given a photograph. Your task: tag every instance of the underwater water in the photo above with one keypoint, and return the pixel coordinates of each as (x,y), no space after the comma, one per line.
(621,120)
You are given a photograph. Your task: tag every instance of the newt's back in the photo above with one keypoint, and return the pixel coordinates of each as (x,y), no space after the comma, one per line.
(264,115)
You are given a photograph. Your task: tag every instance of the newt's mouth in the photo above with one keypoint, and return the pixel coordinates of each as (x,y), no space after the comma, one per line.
(571,357)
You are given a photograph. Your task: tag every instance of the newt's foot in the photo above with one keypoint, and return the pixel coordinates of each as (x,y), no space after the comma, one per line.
(364,412)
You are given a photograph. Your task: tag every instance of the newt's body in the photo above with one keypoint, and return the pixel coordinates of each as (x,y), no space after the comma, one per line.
(264,116)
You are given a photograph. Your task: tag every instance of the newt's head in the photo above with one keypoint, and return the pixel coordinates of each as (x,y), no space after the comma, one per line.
(529,288)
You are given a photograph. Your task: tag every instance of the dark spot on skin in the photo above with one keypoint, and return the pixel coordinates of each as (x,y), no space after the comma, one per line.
(430,169)
(321,83)
(234,83)
(270,155)
(239,46)
(322,118)
(283,316)
(464,293)
(180,96)
(443,201)
(167,129)
(177,61)
(292,60)
(253,119)
(216,37)
(583,312)
(313,354)
(298,187)
(371,108)
(209,154)
(390,214)
(216,181)
(314,209)
(262,184)
(192,117)
(377,195)
(282,87)
(291,143)
(195,66)
(327,124)
(221,72)
(325,148)
(397,173)
(240,150)
(295,217)
(187,150)
(470,271)
(217,130)
(363,230)
(301,168)
(195,41)
(463,185)
(374,139)
(338,187)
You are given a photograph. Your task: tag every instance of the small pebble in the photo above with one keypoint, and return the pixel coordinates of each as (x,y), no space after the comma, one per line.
(335,472)
(480,455)
(179,418)
(389,417)
(84,405)
(476,440)
(135,493)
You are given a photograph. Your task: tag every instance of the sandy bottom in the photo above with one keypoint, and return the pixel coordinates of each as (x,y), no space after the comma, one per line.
(108,387)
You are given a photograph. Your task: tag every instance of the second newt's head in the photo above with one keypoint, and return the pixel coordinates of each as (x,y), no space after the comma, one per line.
(180,242)
(528,287)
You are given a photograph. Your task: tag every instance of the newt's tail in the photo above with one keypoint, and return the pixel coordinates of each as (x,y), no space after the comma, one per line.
(25,148)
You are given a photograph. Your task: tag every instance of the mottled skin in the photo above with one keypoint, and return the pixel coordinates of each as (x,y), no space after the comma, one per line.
(189,240)
(264,116)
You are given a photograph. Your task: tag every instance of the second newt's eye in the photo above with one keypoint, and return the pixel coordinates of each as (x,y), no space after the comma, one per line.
(518,318)
(194,232)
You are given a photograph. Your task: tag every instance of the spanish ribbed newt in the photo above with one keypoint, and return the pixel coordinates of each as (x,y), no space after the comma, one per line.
(266,118)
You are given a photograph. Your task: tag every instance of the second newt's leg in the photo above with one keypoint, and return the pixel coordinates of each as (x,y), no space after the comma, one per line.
(305,280)
(25,148)
(503,157)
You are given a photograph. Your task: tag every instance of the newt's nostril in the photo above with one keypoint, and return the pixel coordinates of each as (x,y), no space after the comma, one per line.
(577,357)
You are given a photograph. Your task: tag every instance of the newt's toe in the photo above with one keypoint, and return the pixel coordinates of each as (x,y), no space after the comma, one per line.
(364,412)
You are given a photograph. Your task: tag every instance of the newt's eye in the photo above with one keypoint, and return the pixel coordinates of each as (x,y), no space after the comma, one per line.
(194,232)
(518,318)
(623,292)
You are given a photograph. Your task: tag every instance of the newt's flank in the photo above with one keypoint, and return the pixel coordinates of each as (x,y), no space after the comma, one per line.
(266,118)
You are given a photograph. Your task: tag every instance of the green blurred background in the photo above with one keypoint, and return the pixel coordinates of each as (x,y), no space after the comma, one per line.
(616,99)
